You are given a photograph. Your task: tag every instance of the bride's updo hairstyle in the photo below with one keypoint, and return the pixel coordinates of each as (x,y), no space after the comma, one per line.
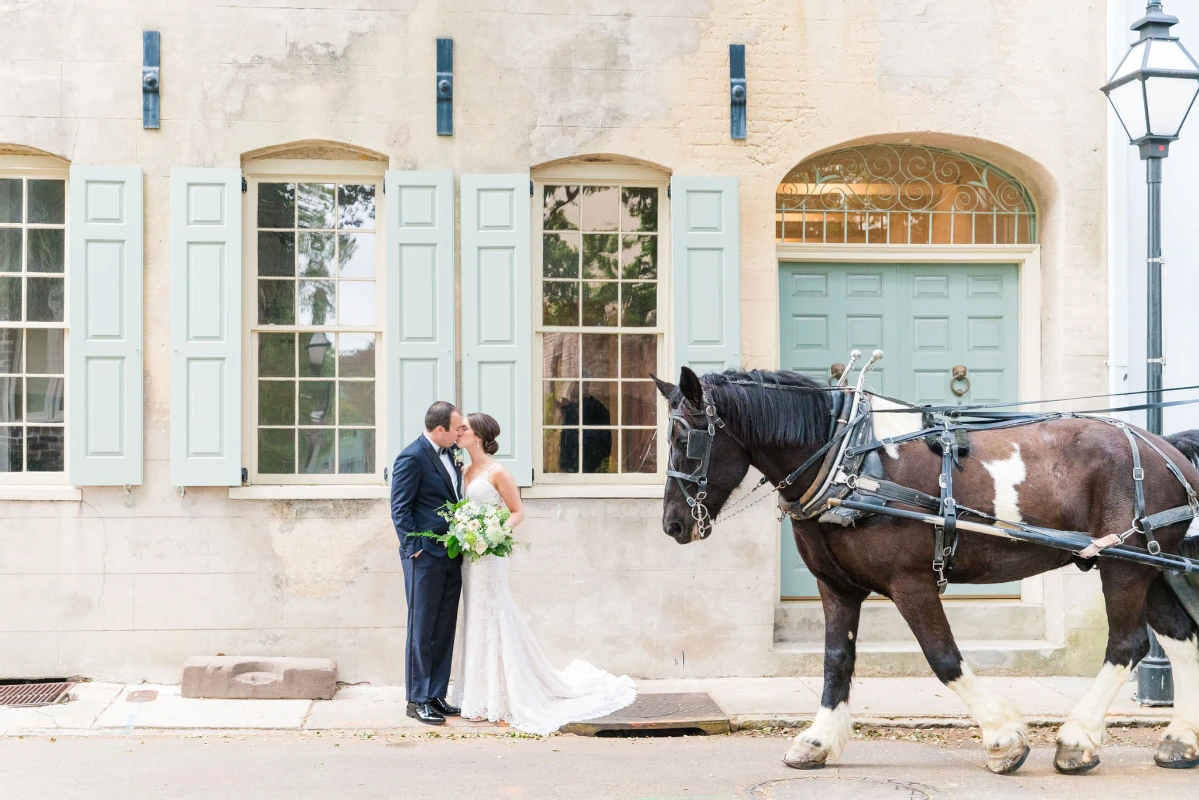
(487,429)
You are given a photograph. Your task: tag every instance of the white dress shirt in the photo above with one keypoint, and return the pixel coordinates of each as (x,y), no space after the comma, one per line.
(447,463)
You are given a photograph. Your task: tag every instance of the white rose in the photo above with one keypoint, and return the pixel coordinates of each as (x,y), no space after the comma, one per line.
(473,525)
(481,546)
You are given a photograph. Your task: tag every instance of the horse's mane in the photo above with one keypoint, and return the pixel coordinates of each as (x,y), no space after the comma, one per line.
(767,417)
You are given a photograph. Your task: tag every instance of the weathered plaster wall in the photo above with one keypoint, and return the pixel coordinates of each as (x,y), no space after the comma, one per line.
(109,589)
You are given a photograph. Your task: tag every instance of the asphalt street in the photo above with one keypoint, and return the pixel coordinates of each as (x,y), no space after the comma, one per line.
(912,766)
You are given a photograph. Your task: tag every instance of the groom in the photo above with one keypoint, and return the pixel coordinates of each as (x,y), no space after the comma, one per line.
(425,477)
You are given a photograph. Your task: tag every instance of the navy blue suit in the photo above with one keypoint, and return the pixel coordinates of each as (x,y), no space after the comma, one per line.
(420,486)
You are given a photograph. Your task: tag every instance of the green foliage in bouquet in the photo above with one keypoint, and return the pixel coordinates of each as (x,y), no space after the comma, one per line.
(476,530)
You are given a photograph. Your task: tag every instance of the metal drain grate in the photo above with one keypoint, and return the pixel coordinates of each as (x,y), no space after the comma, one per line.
(33,695)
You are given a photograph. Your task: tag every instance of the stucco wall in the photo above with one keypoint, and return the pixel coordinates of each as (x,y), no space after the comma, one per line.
(108,589)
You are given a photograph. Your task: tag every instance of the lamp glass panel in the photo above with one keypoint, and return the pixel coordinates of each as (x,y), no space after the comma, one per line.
(1169,100)
(1132,61)
(1129,103)
(1169,54)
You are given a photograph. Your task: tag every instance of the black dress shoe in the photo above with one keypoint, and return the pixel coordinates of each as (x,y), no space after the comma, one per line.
(426,713)
(444,708)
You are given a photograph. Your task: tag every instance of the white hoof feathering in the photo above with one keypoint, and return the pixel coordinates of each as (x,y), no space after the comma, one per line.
(1084,727)
(1184,664)
(826,738)
(1001,722)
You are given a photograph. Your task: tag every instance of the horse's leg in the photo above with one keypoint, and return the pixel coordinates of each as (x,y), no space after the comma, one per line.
(1079,738)
(832,728)
(1004,732)
(1176,631)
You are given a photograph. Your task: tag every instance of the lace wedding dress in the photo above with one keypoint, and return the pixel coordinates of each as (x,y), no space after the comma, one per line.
(505,674)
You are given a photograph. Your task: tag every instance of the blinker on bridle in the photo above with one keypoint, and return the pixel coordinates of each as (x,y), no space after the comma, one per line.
(699,448)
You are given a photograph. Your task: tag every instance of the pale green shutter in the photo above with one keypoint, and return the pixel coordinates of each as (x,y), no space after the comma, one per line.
(706,264)
(420,300)
(496,321)
(105,326)
(206,326)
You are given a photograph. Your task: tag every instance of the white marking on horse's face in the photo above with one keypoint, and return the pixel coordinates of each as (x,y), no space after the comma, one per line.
(1084,727)
(1001,722)
(1007,474)
(888,426)
(1184,663)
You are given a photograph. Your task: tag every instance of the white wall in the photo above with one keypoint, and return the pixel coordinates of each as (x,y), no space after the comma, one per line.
(1180,238)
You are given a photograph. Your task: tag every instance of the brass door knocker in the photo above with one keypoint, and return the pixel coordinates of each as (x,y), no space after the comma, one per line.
(959,375)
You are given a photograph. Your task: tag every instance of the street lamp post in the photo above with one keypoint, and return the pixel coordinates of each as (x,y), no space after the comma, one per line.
(1152,92)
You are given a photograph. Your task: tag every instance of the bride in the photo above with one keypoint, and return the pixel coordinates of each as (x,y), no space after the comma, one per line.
(505,675)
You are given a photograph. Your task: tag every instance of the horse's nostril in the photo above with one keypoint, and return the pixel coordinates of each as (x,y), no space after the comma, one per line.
(674,528)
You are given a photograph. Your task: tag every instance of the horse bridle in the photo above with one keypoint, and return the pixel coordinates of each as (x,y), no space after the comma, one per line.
(699,448)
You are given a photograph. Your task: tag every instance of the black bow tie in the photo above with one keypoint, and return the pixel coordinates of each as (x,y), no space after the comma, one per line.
(443,451)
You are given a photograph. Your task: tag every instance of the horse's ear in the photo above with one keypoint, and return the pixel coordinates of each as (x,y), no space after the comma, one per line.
(692,389)
(667,389)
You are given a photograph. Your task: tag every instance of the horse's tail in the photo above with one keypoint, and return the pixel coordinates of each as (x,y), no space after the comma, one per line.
(1187,443)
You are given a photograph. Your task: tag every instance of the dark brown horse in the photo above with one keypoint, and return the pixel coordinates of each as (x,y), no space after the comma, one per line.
(1067,474)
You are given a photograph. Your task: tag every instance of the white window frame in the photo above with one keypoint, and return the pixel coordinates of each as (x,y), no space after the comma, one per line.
(551,484)
(309,171)
(43,167)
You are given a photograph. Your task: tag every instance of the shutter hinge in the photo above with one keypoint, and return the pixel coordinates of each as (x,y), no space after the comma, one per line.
(383,187)
(385,473)
(245,187)
(668,191)
(245,475)
(530,188)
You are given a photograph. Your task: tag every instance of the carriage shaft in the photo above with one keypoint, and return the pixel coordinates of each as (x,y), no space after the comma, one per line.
(1062,540)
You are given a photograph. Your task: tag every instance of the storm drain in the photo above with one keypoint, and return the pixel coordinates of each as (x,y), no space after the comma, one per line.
(32,693)
(673,714)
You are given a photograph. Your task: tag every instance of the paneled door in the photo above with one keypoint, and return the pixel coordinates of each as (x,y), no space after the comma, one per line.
(945,329)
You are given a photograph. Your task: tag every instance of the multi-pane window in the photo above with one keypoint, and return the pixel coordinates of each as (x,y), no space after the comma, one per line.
(316,329)
(599,333)
(32,324)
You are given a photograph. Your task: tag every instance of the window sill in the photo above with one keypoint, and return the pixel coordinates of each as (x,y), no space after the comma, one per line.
(570,491)
(301,492)
(18,492)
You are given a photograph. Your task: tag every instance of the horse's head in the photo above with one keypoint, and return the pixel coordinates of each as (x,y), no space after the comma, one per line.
(706,461)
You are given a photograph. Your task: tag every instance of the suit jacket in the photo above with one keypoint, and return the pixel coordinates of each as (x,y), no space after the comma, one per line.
(419,487)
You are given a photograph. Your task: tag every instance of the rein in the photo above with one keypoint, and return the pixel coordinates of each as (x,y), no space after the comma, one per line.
(700,439)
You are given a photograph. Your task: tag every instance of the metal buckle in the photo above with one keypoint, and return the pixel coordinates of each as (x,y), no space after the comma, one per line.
(1138,474)
(941,481)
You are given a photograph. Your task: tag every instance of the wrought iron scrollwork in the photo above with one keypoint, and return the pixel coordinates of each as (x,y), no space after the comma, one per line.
(903,194)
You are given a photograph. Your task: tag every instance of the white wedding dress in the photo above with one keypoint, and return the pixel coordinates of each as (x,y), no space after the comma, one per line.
(505,674)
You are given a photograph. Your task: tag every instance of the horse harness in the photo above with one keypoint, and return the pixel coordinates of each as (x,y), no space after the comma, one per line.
(850,485)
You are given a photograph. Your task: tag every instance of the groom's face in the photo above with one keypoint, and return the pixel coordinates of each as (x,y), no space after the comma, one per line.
(445,438)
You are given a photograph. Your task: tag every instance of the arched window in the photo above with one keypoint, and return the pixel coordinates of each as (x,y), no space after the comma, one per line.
(902,194)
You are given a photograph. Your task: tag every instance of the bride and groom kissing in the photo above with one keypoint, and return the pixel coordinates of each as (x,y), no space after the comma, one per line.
(504,676)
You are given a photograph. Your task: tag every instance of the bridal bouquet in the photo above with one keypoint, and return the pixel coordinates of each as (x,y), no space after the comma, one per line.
(476,530)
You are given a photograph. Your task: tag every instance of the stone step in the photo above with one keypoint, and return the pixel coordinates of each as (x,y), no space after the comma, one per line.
(898,659)
(802,622)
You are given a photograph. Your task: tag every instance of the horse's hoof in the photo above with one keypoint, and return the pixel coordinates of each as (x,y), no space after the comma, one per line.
(806,755)
(1010,761)
(1071,760)
(1173,754)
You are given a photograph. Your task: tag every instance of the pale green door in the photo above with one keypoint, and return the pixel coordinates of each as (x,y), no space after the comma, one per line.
(927,319)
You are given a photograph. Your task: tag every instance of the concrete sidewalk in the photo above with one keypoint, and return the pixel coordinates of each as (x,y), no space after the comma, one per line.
(106,708)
